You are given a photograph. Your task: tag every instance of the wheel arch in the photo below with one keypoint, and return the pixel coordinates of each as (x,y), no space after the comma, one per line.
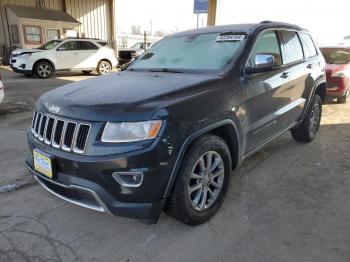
(45,60)
(104,59)
(226,129)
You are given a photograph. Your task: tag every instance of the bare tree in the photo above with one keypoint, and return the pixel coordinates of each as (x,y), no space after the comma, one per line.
(136,29)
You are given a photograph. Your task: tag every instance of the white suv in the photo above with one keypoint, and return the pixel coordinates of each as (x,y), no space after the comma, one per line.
(64,54)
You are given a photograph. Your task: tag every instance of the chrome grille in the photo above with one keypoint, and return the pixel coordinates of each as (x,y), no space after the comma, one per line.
(60,133)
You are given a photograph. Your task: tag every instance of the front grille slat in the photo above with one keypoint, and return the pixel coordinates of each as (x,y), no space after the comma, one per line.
(60,133)
(81,138)
(42,127)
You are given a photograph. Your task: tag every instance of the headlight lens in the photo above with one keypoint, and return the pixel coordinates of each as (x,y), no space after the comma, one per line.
(130,131)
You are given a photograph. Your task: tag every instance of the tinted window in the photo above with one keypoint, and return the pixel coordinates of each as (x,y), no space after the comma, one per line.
(267,43)
(336,55)
(292,50)
(103,43)
(308,45)
(70,45)
(84,45)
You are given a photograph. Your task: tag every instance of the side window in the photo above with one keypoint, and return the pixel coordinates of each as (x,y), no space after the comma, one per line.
(267,43)
(291,46)
(69,46)
(308,45)
(85,45)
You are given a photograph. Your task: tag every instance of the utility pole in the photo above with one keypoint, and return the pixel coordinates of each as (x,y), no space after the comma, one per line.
(211,12)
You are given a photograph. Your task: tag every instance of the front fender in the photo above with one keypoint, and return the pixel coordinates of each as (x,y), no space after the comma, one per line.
(185,145)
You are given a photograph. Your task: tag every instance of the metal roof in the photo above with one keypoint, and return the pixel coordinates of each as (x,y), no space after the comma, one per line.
(41,14)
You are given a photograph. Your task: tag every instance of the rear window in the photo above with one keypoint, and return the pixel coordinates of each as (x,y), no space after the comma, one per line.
(102,43)
(336,56)
(308,45)
(85,45)
(292,49)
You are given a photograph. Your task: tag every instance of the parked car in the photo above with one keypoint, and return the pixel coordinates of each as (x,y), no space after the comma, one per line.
(167,132)
(127,55)
(2,91)
(338,72)
(76,54)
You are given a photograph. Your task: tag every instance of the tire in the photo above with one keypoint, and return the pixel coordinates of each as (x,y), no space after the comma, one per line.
(343,99)
(308,129)
(188,207)
(43,69)
(86,72)
(104,67)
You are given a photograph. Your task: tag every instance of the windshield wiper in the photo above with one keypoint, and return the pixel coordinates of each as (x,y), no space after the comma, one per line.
(166,70)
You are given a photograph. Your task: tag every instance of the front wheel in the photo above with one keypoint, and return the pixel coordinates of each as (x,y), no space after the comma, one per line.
(43,69)
(308,129)
(202,182)
(104,67)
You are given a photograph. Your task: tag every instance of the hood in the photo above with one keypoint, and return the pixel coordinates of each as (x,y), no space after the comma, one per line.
(123,96)
(333,68)
(31,50)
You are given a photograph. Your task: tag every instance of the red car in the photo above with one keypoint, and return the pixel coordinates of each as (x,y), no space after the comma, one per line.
(337,72)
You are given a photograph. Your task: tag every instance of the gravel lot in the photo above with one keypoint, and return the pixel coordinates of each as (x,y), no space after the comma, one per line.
(288,202)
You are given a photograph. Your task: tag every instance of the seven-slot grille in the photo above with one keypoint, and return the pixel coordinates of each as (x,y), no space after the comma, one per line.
(60,133)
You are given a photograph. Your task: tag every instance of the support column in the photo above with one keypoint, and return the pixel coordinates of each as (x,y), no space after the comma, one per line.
(211,12)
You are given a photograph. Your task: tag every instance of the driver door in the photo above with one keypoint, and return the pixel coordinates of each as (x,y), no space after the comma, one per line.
(263,90)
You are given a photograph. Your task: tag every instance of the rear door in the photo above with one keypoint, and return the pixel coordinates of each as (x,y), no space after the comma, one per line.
(88,55)
(291,96)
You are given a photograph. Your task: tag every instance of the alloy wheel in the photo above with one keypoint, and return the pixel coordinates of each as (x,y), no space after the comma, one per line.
(206,180)
(44,70)
(314,119)
(105,68)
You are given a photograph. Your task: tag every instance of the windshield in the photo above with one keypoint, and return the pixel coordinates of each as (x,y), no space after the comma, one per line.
(49,45)
(337,56)
(196,53)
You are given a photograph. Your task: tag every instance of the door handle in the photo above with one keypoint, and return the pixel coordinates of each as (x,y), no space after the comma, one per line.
(285,74)
(310,66)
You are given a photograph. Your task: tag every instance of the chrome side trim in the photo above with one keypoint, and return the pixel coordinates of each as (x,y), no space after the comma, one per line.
(290,106)
(101,208)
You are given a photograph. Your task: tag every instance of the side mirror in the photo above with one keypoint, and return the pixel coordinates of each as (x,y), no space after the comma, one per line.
(265,62)
(61,48)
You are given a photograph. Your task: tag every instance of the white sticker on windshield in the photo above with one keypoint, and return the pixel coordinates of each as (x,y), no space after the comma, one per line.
(230,37)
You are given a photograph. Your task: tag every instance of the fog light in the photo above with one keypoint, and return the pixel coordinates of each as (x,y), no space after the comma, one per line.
(128,179)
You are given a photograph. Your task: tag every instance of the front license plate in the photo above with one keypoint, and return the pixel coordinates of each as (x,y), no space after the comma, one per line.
(42,164)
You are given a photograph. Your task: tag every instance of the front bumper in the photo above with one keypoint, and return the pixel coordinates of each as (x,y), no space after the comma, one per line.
(87,180)
(21,71)
(91,195)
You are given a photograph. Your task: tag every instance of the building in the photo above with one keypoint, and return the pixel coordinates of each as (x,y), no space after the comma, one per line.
(30,23)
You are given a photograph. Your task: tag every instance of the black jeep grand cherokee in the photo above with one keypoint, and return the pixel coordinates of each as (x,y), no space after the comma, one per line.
(167,132)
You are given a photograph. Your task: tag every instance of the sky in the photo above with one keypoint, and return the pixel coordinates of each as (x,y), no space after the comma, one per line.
(328,21)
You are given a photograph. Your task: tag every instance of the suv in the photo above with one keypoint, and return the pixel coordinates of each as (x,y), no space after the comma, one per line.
(69,54)
(127,55)
(167,132)
(337,72)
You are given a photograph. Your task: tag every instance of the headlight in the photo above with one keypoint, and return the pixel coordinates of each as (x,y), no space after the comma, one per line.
(130,131)
(342,73)
(25,56)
